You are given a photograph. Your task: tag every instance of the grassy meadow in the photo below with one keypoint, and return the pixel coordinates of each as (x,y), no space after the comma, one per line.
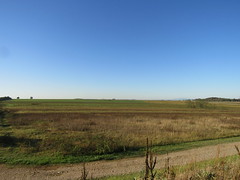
(70,131)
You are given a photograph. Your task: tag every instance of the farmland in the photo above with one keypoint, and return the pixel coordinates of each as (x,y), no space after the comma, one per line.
(70,131)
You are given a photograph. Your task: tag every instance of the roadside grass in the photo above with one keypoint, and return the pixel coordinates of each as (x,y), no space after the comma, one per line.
(19,155)
(218,168)
(72,131)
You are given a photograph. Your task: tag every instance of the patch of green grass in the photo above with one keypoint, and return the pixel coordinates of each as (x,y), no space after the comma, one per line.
(14,156)
(124,177)
(108,106)
(195,144)
(91,105)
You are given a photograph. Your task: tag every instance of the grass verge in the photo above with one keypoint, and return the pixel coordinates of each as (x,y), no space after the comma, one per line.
(14,156)
(197,170)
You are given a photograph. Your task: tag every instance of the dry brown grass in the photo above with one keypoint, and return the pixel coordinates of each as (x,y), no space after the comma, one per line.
(129,129)
(227,168)
(220,171)
(97,127)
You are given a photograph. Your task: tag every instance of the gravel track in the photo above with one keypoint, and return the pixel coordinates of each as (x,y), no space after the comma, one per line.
(99,169)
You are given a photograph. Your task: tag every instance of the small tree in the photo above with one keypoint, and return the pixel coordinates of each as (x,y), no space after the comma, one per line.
(200,104)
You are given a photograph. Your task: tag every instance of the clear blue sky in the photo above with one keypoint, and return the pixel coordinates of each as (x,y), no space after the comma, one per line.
(155,49)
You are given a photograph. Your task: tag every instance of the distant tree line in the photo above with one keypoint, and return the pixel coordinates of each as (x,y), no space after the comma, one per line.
(5,98)
(218,99)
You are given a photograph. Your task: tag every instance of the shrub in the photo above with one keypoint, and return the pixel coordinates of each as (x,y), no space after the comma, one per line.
(198,104)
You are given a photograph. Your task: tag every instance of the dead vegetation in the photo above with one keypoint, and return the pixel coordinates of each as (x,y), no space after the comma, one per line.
(123,131)
(84,173)
(221,169)
(150,163)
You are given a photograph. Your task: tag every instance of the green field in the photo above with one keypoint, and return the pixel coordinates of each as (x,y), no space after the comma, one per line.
(71,131)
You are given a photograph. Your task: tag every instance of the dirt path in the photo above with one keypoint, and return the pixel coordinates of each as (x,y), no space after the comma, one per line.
(115,167)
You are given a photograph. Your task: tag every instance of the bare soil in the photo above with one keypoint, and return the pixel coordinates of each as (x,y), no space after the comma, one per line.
(99,169)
